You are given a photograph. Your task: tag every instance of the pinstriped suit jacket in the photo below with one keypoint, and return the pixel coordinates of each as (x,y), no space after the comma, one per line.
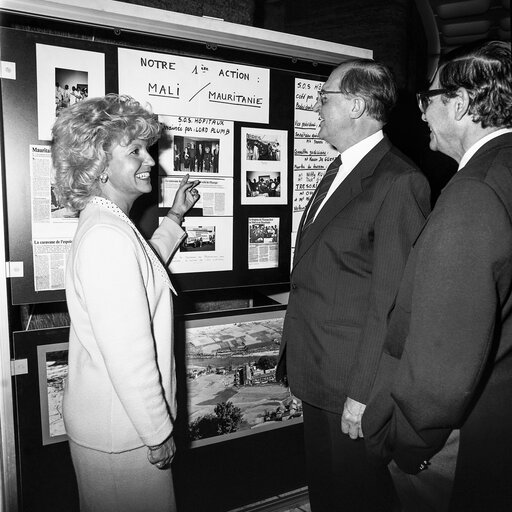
(346,271)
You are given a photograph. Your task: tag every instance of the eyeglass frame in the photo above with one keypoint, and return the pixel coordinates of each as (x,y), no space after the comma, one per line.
(423,97)
(323,92)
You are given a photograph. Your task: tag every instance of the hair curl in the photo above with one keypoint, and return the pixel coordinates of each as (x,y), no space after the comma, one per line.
(83,136)
(484,69)
(372,81)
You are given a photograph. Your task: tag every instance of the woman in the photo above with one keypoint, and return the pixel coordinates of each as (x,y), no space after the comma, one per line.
(119,400)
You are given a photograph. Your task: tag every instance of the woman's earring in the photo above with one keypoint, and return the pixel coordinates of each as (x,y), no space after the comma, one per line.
(103,177)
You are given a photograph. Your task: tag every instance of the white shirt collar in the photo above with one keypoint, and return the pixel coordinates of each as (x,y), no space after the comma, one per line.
(477,145)
(349,159)
(354,154)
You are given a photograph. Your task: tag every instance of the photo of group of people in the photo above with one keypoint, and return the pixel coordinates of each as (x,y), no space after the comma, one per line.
(261,183)
(263,233)
(264,166)
(196,155)
(70,87)
(65,76)
(263,147)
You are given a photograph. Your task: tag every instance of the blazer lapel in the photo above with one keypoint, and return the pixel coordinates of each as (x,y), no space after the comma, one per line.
(350,188)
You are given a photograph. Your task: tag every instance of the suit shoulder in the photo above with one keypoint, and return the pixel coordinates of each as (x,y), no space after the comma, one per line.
(401,162)
(398,168)
(492,169)
(466,193)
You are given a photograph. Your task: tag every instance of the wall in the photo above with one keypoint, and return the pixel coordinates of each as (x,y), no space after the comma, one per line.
(394,31)
(235,11)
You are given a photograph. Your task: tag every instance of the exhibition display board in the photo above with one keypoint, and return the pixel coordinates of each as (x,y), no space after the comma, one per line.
(237,114)
(240,129)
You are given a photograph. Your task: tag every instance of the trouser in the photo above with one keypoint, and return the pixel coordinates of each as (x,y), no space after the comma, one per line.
(340,478)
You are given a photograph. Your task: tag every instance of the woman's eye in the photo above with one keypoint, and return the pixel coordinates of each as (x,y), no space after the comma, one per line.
(135,151)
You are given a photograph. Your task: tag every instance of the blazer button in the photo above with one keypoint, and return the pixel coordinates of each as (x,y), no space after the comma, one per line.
(294,286)
(424,465)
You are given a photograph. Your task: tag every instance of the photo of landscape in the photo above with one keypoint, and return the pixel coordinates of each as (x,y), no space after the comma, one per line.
(231,369)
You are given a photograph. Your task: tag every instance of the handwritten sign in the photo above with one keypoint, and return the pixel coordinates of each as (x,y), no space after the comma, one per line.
(184,86)
(311,155)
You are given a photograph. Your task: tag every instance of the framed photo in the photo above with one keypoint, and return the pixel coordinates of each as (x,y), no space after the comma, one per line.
(52,363)
(231,366)
(264,166)
(65,76)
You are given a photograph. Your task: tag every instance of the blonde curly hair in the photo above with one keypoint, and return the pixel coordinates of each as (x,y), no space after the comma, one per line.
(83,136)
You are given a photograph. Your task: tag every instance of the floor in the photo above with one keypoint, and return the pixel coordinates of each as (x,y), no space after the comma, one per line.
(294,501)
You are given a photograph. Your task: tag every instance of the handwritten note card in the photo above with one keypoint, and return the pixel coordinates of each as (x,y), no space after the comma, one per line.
(311,155)
(184,86)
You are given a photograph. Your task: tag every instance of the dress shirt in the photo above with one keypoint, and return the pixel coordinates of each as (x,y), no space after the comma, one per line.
(350,158)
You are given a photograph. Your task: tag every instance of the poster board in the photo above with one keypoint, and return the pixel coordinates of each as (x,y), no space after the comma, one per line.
(40,230)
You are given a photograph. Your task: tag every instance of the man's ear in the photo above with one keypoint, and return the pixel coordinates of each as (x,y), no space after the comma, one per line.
(358,107)
(461,103)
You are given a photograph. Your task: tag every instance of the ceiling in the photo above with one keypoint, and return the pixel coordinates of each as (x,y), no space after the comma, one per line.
(451,23)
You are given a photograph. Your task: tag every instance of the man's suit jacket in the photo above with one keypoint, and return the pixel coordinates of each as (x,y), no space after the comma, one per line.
(447,360)
(346,271)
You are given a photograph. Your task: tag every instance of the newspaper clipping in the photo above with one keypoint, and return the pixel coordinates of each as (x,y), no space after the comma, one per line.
(263,242)
(53,225)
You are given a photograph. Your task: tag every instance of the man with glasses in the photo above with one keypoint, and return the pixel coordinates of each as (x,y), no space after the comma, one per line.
(441,403)
(351,249)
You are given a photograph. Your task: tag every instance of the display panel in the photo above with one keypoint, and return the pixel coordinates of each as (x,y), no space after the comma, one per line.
(209,142)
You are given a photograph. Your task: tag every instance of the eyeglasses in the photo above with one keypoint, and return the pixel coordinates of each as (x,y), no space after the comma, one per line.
(322,95)
(423,97)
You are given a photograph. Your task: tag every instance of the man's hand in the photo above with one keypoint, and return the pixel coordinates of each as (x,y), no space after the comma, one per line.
(351,418)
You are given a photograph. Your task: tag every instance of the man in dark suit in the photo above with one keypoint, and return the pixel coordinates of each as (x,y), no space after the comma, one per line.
(351,248)
(441,401)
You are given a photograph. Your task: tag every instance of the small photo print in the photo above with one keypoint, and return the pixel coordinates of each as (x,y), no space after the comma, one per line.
(263,183)
(196,155)
(263,145)
(71,86)
(199,239)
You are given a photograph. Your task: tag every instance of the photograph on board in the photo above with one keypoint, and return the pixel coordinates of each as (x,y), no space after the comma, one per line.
(53,370)
(71,86)
(231,376)
(64,76)
(199,238)
(263,184)
(192,154)
(195,145)
(263,164)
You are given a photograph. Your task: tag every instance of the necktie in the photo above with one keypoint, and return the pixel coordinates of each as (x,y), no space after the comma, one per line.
(321,192)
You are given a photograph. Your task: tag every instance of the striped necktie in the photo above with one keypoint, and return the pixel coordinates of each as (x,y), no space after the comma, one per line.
(321,192)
